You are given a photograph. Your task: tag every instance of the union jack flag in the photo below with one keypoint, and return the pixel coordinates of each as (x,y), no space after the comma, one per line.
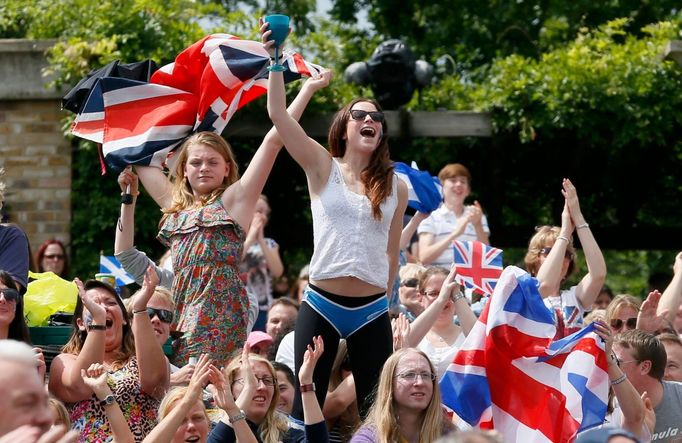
(142,122)
(478,265)
(510,376)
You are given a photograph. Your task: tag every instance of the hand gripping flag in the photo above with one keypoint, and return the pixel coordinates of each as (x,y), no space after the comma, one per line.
(141,122)
(424,192)
(478,265)
(110,265)
(509,375)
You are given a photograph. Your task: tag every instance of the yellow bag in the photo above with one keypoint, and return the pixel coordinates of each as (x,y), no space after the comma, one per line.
(46,295)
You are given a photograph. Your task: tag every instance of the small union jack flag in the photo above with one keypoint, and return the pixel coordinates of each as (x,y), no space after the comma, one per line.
(478,265)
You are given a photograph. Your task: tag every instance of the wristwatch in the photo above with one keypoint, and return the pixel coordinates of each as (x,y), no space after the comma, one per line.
(108,400)
(235,418)
(307,388)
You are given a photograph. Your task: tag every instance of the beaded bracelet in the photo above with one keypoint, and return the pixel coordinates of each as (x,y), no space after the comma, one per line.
(619,380)
(561,237)
(584,225)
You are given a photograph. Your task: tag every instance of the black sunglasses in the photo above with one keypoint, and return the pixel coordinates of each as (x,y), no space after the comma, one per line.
(359,114)
(11,295)
(164,315)
(410,282)
(630,323)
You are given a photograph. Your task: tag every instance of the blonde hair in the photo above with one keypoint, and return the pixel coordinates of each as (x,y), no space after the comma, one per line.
(545,235)
(411,270)
(61,415)
(160,291)
(621,301)
(274,425)
(383,417)
(183,197)
(172,397)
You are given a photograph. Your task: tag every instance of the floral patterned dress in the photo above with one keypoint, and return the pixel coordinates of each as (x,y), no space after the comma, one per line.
(206,247)
(139,409)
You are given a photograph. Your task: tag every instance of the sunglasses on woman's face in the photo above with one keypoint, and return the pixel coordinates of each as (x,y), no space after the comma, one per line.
(164,315)
(410,282)
(359,114)
(10,295)
(54,256)
(630,323)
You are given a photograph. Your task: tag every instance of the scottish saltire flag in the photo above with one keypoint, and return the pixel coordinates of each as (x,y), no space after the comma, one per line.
(510,376)
(478,265)
(110,265)
(142,122)
(424,192)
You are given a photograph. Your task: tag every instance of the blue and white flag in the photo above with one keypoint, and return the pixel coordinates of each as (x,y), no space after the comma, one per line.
(110,265)
(424,191)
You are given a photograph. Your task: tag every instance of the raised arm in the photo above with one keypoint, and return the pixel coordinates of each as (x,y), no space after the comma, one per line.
(157,184)
(410,228)
(150,358)
(66,382)
(312,413)
(589,287)
(430,248)
(395,230)
(476,219)
(255,235)
(241,197)
(549,274)
(313,158)
(672,296)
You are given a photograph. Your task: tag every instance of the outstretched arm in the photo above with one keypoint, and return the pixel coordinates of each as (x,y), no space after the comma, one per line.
(549,274)
(241,197)
(157,184)
(395,230)
(672,296)
(410,228)
(590,285)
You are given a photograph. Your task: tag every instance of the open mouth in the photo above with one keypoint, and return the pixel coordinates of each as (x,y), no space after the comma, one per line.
(192,439)
(368,131)
(109,323)
(258,398)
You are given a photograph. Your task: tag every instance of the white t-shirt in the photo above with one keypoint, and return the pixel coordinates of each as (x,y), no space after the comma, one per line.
(285,352)
(441,223)
(441,357)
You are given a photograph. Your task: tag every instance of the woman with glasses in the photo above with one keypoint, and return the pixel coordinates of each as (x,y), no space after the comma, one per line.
(357,206)
(126,347)
(407,405)
(51,256)
(551,258)
(255,388)
(408,292)
(622,312)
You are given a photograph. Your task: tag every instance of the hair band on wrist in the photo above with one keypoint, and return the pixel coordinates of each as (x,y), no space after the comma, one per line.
(619,380)
(460,295)
(141,311)
(561,237)
(584,225)
(308,388)
(94,327)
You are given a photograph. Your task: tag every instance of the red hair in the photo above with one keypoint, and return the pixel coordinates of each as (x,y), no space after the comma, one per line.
(41,253)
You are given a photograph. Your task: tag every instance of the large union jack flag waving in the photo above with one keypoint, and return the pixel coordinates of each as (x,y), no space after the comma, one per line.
(140,122)
(510,376)
(478,265)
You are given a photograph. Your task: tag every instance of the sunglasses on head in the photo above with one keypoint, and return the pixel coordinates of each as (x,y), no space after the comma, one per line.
(10,295)
(359,114)
(630,323)
(410,282)
(164,315)
(546,251)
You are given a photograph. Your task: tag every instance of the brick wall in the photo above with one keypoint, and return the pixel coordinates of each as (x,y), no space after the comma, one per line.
(33,151)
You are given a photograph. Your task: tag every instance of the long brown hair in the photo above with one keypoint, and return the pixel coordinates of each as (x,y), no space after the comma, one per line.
(183,197)
(377,177)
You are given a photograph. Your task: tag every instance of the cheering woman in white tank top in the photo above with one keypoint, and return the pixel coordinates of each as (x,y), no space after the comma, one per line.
(357,205)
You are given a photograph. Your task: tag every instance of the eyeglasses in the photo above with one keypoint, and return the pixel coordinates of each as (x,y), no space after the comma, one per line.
(630,323)
(431,294)
(54,256)
(267,380)
(621,362)
(411,376)
(359,114)
(410,283)
(546,251)
(164,315)
(10,295)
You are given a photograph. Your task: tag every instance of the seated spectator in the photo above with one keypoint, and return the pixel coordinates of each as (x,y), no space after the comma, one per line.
(407,404)
(673,352)
(453,220)
(102,333)
(603,299)
(408,291)
(552,259)
(255,387)
(622,312)
(12,321)
(59,413)
(25,415)
(51,257)
(259,342)
(642,358)
(472,436)
(285,381)
(282,315)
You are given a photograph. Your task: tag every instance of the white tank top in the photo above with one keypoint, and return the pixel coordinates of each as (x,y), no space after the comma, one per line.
(348,240)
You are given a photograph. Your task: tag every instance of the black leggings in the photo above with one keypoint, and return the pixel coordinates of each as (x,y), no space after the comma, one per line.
(368,349)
